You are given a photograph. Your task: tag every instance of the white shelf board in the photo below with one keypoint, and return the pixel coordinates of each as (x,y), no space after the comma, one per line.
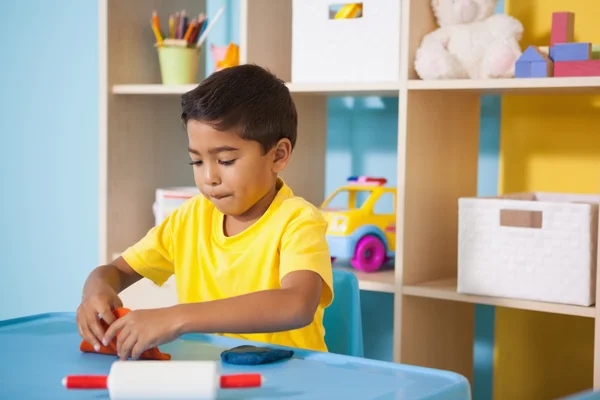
(510,86)
(325,89)
(346,89)
(445,289)
(156,88)
(379,281)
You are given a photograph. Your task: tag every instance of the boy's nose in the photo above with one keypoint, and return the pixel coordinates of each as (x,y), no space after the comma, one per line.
(211,177)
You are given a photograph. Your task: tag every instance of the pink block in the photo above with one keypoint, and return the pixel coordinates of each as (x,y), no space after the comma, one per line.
(577,68)
(563,27)
(218,53)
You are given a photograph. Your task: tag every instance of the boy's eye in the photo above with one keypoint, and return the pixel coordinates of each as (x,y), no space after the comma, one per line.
(197,163)
(228,162)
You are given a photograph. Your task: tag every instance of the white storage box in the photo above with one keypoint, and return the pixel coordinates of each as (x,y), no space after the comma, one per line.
(169,199)
(365,49)
(534,246)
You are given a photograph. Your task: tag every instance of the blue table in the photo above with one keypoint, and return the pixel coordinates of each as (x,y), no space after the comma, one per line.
(39,351)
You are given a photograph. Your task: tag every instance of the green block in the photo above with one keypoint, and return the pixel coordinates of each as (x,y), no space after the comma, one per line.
(596,52)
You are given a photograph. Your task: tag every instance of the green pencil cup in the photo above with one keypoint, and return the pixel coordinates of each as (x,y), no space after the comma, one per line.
(178,65)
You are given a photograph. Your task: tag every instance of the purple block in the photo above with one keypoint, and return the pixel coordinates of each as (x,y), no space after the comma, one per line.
(523,69)
(571,52)
(540,69)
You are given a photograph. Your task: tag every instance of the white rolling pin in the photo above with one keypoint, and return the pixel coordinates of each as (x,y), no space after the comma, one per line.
(152,380)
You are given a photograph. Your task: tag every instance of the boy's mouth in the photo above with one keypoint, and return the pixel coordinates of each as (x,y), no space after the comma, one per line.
(219,196)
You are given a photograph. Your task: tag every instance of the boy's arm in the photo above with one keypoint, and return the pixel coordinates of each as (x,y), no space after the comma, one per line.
(118,275)
(291,307)
(150,257)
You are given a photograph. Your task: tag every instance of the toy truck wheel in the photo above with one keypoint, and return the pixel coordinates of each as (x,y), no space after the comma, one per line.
(369,254)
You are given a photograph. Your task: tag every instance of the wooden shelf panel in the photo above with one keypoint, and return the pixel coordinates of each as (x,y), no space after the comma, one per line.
(381,281)
(387,89)
(445,289)
(511,86)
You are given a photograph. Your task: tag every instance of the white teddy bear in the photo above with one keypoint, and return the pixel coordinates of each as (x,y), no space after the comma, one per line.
(472,42)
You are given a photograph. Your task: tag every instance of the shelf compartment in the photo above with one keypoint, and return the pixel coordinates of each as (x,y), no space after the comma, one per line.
(380,281)
(575,85)
(445,289)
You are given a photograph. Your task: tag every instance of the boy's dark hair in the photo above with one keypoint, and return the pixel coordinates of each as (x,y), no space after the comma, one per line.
(246,98)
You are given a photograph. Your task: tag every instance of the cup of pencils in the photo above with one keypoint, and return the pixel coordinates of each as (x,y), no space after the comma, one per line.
(179,50)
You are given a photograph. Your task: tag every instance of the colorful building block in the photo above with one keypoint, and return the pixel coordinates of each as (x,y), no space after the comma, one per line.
(523,69)
(571,52)
(534,63)
(577,68)
(532,53)
(542,69)
(563,28)
(596,52)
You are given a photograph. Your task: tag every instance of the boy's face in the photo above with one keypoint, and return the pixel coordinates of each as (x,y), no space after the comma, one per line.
(231,172)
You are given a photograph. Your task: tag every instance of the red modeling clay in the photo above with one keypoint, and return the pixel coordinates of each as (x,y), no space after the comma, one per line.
(151,354)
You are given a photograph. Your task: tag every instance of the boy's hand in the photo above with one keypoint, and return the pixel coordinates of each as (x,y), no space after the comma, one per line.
(101,304)
(141,330)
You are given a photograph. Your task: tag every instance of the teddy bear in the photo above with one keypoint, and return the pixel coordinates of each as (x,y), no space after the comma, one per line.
(472,42)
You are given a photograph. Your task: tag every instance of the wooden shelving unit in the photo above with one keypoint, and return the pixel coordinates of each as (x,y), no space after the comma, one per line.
(437,163)
(144,147)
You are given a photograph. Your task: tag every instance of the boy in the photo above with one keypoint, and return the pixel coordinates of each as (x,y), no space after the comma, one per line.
(250,258)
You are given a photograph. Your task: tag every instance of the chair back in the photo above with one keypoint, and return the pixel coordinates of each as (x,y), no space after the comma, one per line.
(342,319)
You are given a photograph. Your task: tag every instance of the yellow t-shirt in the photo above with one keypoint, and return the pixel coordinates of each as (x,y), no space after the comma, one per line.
(208,265)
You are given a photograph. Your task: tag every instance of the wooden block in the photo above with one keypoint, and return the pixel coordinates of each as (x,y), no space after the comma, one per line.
(571,52)
(533,63)
(544,49)
(523,69)
(533,53)
(563,28)
(596,52)
(542,69)
(577,68)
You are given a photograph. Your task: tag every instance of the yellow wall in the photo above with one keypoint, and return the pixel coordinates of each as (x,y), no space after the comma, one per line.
(548,143)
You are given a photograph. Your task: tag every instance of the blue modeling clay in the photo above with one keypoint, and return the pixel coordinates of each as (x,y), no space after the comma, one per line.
(252,355)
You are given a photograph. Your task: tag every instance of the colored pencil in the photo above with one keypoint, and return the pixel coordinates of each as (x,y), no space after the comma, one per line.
(189,30)
(204,34)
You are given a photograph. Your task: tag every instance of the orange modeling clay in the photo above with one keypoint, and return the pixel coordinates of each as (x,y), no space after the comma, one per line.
(151,354)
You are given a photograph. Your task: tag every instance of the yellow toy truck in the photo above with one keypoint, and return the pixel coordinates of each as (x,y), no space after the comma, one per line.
(362,222)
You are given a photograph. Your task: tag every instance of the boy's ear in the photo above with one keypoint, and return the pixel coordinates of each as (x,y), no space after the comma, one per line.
(281,154)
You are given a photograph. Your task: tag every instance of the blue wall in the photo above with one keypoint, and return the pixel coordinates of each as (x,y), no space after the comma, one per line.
(49,153)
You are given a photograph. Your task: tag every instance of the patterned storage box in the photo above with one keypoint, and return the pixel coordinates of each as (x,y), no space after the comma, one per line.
(365,49)
(534,246)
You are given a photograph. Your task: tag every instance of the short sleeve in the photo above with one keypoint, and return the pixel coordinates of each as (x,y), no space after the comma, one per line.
(152,256)
(304,247)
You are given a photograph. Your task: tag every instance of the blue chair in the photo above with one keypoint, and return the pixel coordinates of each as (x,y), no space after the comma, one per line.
(342,319)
